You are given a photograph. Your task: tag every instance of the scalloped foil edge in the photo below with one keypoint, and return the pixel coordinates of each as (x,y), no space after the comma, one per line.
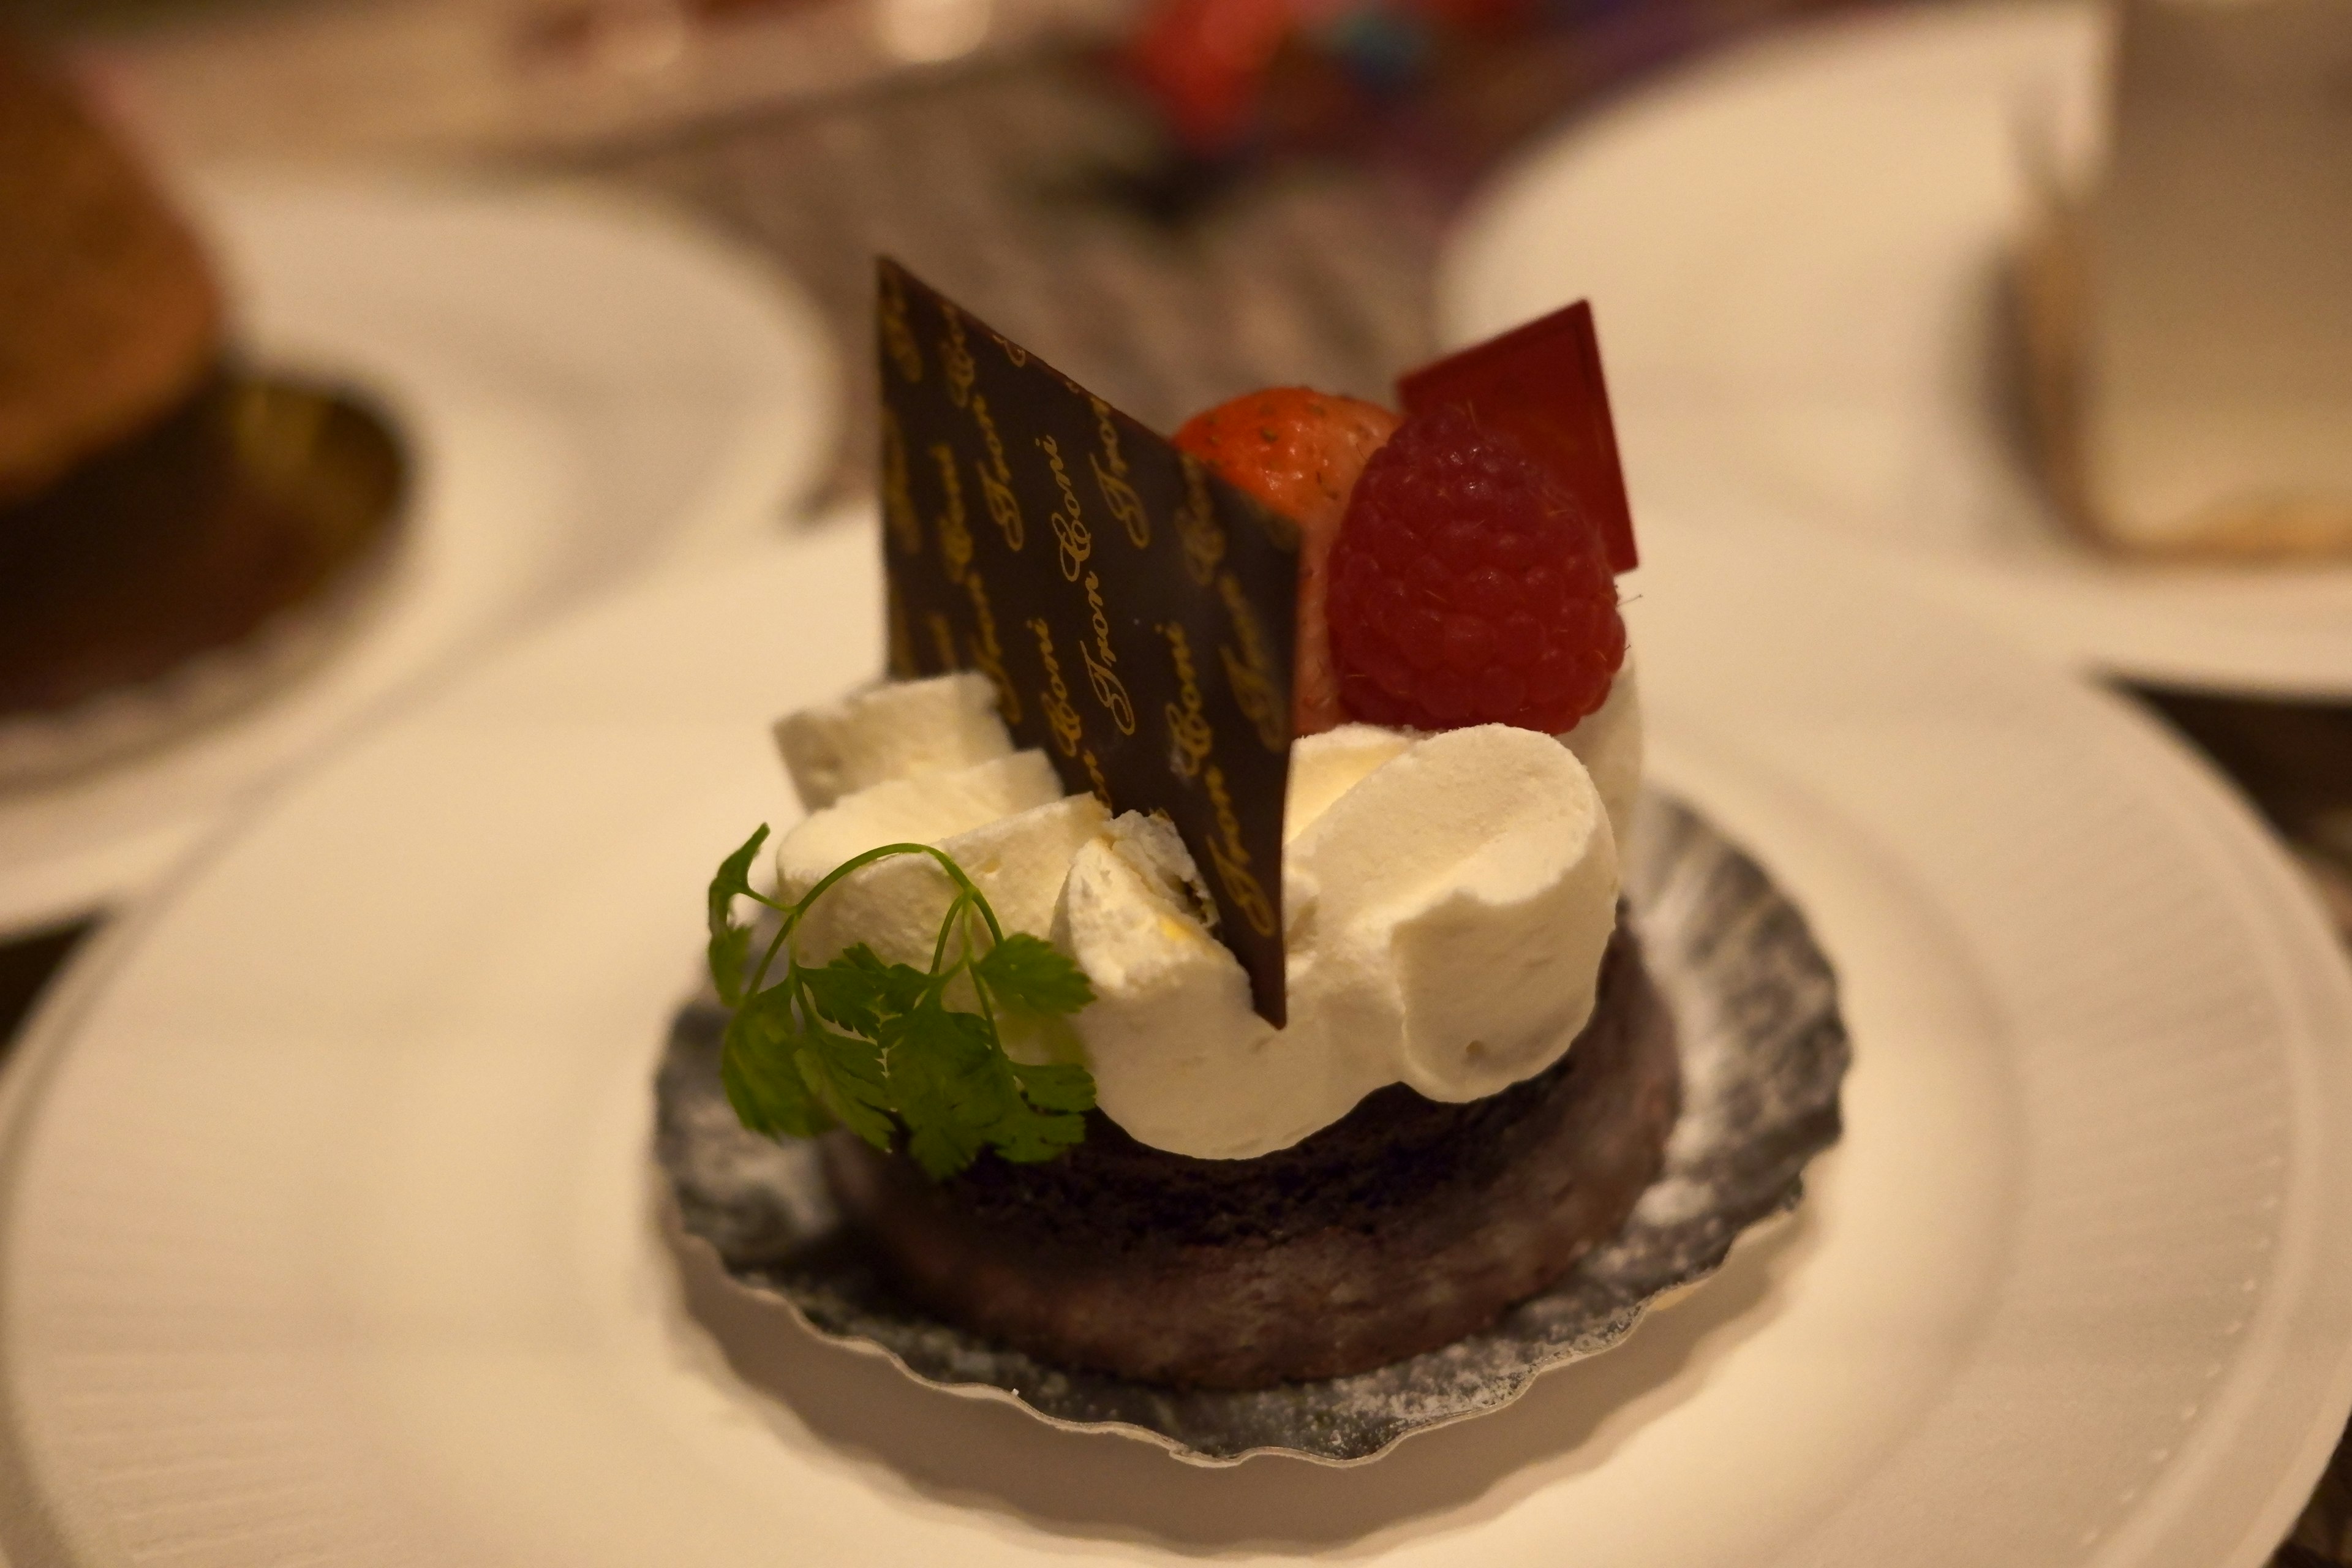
(1696,891)
(674,1229)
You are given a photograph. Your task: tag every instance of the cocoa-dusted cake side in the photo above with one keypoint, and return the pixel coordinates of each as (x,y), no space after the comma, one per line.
(1401,1227)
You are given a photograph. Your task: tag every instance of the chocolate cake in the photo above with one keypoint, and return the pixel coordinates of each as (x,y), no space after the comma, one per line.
(1145,1025)
(1401,1227)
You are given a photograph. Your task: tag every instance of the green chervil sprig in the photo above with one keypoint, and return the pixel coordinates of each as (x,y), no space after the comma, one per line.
(875,1047)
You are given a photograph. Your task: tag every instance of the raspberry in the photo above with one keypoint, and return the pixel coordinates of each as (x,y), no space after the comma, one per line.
(1467,588)
(1299,452)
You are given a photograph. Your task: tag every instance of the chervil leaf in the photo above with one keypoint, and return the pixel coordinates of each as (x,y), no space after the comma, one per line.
(944,1065)
(731,941)
(943,1148)
(874,1046)
(957,1090)
(899,986)
(1060,1096)
(943,1075)
(764,1024)
(846,994)
(1057,1087)
(1031,973)
(731,955)
(755,1068)
(844,1075)
(733,879)
(1033,1136)
(768,1095)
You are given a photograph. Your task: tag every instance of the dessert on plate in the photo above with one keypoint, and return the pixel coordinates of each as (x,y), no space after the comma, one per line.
(1317,683)
(2188,350)
(159,505)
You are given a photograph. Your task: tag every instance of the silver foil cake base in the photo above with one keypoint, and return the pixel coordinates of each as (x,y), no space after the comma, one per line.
(1763,1054)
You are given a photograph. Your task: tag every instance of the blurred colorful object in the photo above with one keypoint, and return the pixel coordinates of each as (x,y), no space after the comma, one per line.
(1212,65)
(1228,76)
(1206,62)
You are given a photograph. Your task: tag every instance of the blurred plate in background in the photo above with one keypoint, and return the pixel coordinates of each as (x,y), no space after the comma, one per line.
(470,77)
(1798,253)
(584,389)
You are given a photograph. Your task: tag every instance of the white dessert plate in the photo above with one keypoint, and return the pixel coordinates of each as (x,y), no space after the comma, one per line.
(1796,252)
(329,1228)
(585,386)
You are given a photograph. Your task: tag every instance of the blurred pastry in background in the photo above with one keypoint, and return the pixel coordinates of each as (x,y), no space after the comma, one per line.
(2188,316)
(111,312)
(173,529)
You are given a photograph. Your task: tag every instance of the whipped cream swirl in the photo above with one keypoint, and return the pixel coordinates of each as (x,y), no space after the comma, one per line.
(1446,902)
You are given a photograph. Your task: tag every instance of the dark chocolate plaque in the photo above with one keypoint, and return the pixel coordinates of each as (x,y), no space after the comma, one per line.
(1135,611)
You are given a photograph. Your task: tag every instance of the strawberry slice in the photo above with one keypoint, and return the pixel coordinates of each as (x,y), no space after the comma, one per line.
(1299,452)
